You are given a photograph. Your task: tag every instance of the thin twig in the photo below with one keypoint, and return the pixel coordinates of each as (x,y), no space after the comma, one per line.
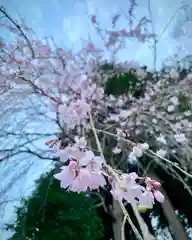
(137,234)
(170,20)
(96,136)
(20,30)
(149,151)
(123,227)
(176,165)
(154,38)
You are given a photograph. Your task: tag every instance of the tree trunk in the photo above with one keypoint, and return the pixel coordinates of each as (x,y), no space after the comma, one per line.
(177,230)
(118,215)
(144,228)
(117,225)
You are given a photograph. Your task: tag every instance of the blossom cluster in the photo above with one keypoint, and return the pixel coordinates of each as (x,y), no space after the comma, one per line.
(86,172)
(84,169)
(128,189)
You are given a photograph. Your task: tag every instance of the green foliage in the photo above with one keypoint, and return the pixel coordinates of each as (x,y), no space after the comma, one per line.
(184,102)
(53,214)
(122,83)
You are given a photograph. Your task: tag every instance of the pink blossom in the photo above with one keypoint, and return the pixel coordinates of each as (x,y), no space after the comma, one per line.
(130,178)
(159,196)
(84,170)
(152,184)
(130,182)
(82,181)
(91,48)
(81,108)
(67,175)
(93,19)
(78,179)
(137,151)
(117,194)
(127,188)
(146,199)
(74,178)
(98,94)
(97,180)
(132,192)
(70,152)
(75,113)
(141,38)
(80,142)
(86,158)
(125,33)
(96,163)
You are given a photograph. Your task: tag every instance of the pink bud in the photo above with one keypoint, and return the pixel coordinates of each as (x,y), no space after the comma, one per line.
(148,180)
(48,142)
(153,183)
(156,184)
(72,164)
(90,47)
(159,196)
(93,19)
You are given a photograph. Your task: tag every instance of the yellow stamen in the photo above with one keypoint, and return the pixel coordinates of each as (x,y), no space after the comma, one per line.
(143,209)
(123,188)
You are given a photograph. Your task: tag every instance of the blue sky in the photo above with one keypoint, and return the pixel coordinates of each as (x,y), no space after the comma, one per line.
(67,21)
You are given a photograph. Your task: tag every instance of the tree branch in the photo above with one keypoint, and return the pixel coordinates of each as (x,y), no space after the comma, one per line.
(20,30)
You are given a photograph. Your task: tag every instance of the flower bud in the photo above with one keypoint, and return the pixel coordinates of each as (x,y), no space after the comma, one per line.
(159,196)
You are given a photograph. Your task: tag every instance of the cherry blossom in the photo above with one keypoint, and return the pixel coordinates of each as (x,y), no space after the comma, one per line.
(175,100)
(116,150)
(83,172)
(159,196)
(171,108)
(146,200)
(127,189)
(138,151)
(75,113)
(180,138)
(80,142)
(153,187)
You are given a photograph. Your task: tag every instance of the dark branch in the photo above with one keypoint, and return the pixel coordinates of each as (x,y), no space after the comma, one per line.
(20,30)
(29,151)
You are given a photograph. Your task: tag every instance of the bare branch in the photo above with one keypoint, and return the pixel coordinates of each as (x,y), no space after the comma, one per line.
(20,30)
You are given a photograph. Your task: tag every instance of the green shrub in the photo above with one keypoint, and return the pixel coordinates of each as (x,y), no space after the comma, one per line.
(53,214)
